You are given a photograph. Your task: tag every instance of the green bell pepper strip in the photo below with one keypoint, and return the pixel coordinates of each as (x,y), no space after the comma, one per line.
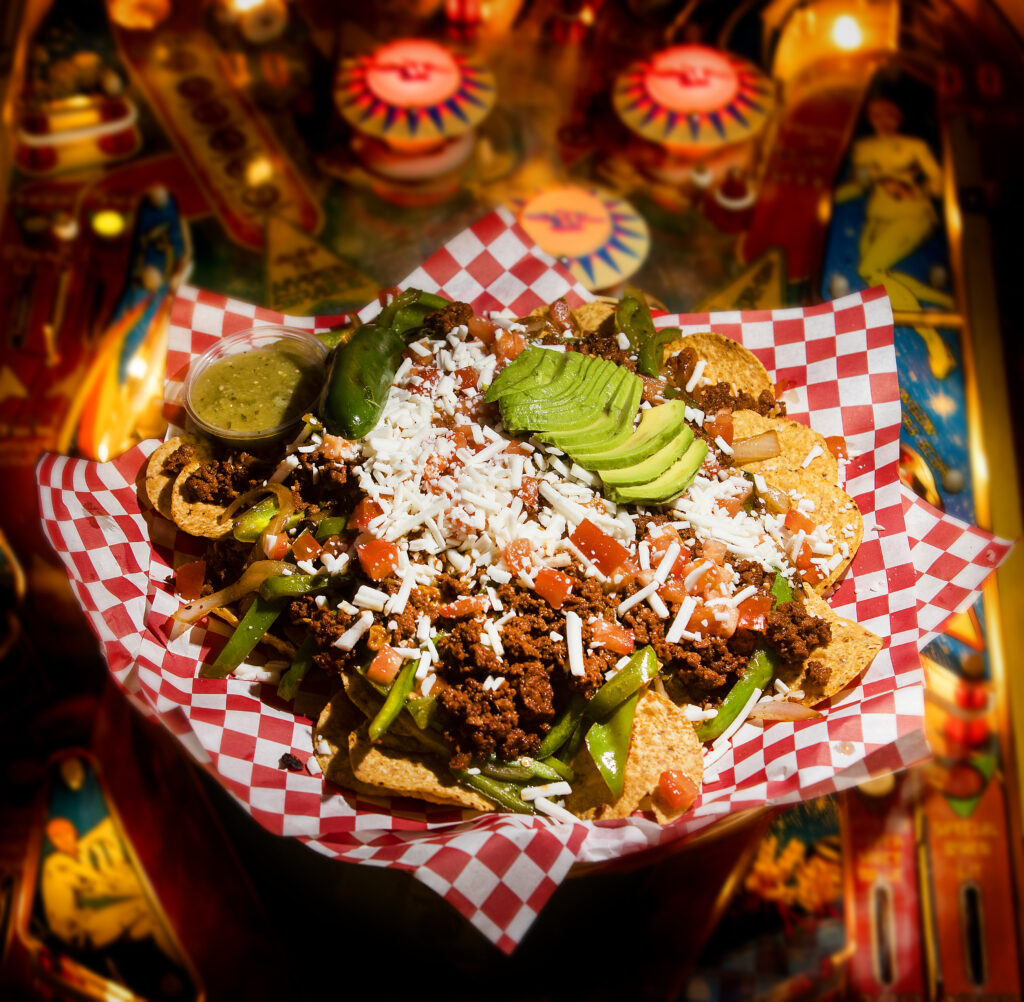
(250,524)
(505,795)
(782,590)
(519,770)
(759,673)
(293,585)
(259,617)
(423,710)
(363,368)
(290,681)
(608,743)
(566,772)
(394,703)
(633,317)
(562,729)
(641,668)
(333,525)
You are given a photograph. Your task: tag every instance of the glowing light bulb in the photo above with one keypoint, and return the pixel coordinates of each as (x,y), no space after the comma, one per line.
(108,223)
(846,33)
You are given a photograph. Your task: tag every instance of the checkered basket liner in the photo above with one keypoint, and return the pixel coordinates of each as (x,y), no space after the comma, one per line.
(499,870)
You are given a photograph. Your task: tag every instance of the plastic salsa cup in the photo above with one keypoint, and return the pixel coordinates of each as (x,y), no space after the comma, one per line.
(252,387)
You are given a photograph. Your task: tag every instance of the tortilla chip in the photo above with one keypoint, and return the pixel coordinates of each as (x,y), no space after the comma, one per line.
(160,483)
(197,518)
(408,774)
(727,361)
(591,315)
(662,738)
(849,652)
(796,442)
(403,732)
(338,719)
(832,507)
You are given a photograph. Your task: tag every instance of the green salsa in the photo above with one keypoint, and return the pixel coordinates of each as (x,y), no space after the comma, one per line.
(255,390)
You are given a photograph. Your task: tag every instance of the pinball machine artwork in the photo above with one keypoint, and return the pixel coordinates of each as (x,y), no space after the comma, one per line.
(179,171)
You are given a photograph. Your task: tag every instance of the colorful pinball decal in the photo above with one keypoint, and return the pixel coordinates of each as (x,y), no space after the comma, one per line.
(692,96)
(126,374)
(413,91)
(783,931)
(88,918)
(600,236)
(73,112)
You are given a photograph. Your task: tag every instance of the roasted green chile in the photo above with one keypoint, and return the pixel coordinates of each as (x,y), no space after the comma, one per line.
(363,368)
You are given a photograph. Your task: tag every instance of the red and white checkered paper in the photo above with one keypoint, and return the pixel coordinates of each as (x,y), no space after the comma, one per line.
(499,870)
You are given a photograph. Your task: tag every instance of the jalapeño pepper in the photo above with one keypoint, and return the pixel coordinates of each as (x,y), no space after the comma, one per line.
(633,317)
(363,368)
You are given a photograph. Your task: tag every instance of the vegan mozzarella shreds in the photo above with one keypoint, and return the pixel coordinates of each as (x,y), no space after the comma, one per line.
(452,493)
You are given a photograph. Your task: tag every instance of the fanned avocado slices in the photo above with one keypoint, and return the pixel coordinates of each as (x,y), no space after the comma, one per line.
(587,407)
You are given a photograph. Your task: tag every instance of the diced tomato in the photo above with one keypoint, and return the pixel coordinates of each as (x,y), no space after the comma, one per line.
(615,637)
(363,514)
(676,790)
(462,436)
(781,386)
(554,586)
(714,621)
(753,610)
(482,330)
(797,521)
(517,449)
(661,540)
(378,558)
(720,425)
(334,545)
(275,545)
(509,345)
(466,377)
(626,573)
(528,491)
(731,506)
(188,580)
(696,585)
(384,667)
(336,447)
(517,555)
(715,551)
(422,380)
(673,591)
(837,446)
(809,571)
(605,552)
(461,608)
(306,547)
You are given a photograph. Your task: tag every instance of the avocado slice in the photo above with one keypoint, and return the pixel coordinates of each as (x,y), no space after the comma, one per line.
(658,426)
(569,365)
(579,390)
(670,484)
(616,395)
(643,471)
(534,367)
(611,428)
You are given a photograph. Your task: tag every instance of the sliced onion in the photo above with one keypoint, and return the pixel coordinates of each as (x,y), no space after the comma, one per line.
(782,709)
(776,501)
(255,574)
(756,448)
(284,498)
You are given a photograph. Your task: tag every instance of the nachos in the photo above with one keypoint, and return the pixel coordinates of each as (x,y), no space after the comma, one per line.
(548,561)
